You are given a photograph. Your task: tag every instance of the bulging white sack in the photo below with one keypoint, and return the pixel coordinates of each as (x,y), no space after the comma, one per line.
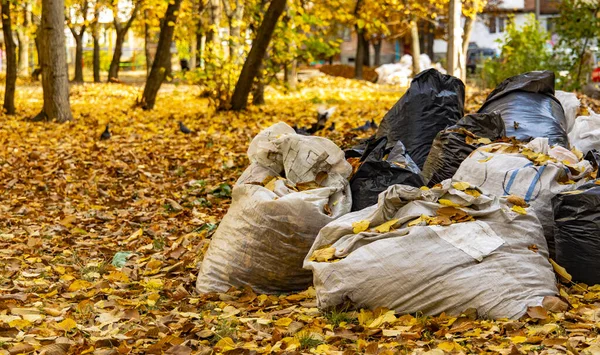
(268,230)
(489,263)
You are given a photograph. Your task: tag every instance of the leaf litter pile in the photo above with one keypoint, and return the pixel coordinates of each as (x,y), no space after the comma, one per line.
(100,240)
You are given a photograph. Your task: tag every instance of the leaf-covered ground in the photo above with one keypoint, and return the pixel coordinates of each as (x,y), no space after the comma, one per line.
(99,240)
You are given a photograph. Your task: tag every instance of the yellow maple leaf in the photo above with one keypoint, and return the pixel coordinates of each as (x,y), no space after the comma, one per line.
(152,299)
(385,227)
(117,276)
(518,339)
(387,317)
(154,284)
(519,209)
(360,226)
(324,254)
(67,324)
(446,202)
(461,185)
(448,346)
(561,271)
(225,343)
(283,322)
(19,324)
(484,140)
(79,285)
(473,192)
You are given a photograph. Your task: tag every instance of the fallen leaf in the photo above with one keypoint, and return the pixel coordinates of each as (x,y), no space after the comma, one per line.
(360,226)
(67,324)
(561,271)
(537,312)
(518,209)
(322,255)
(385,227)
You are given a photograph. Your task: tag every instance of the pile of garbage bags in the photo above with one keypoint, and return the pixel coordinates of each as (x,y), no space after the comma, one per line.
(443,211)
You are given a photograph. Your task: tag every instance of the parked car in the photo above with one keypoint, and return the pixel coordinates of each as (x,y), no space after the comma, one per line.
(476,57)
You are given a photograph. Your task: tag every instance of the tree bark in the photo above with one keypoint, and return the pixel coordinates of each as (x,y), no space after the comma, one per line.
(367,55)
(95,37)
(113,70)
(146,43)
(24,41)
(360,51)
(11,59)
(96,60)
(359,58)
(78,58)
(454,38)
(214,9)
(239,100)
(235,17)
(416,50)
(162,57)
(55,80)
(292,75)
(377,50)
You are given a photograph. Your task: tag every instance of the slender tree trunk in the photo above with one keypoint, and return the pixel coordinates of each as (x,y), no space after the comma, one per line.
(367,56)
(239,100)
(146,43)
(122,29)
(193,50)
(96,59)
(214,9)
(55,80)
(454,38)
(78,58)
(235,28)
(416,50)
(24,41)
(359,58)
(162,57)
(377,50)
(11,59)
(113,70)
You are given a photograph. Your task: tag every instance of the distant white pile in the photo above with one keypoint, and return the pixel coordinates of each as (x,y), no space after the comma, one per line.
(401,72)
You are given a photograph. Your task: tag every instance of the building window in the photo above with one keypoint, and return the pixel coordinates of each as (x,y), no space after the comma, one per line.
(501,22)
(492,24)
(550,24)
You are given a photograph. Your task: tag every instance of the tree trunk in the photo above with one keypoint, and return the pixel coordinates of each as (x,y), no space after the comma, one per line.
(193,50)
(360,54)
(416,50)
(96,59)
(146,43)
(55,80)
(377,50)
(214,9)
(78,58)
(161,58)
(454,38)
(113,70)
(239,100)
(235,22)
(24,41)
(367,56)
(292,75)
(11,59)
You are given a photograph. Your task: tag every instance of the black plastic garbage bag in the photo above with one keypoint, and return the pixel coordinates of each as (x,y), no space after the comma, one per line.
(577,232)
(593,156)
(433,102)
(381,168)
(456,143)
(529,108)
